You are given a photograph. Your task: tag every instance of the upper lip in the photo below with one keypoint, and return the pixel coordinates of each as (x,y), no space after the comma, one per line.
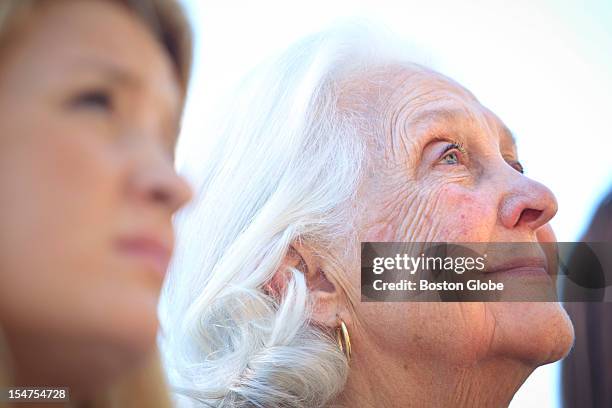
(517,263)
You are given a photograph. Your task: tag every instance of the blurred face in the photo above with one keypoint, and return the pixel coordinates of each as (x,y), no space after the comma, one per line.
(445,169)
(89,110)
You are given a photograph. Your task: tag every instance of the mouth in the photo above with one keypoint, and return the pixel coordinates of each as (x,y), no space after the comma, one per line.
(153,252)
(520,268)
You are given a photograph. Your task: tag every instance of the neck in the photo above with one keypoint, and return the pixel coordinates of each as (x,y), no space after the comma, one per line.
(387,381)
(60,362)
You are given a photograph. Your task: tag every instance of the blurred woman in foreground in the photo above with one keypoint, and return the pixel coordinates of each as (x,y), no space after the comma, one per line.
(91,94)
(334,143)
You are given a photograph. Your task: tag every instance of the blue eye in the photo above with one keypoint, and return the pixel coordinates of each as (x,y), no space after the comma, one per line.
(450,158)
(451,153)
(96,99)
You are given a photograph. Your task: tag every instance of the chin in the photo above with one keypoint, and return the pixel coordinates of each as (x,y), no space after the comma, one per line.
(536,333)
(136,333)
(130,327)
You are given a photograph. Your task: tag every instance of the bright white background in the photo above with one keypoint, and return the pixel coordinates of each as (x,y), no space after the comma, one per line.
(544,67)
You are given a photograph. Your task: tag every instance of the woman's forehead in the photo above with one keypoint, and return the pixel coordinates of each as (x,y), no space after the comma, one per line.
(416,109)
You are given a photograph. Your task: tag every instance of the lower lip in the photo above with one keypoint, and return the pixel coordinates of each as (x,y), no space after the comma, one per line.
(532,272)
(152,258)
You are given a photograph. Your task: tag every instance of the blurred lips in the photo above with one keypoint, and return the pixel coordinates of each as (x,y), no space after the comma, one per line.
(152,251)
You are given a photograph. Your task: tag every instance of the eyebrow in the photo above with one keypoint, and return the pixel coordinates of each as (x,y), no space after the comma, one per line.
(110,72)
(453,114)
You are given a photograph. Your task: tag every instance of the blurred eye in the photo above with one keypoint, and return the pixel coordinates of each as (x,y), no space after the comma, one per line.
(518,167)
(93,99)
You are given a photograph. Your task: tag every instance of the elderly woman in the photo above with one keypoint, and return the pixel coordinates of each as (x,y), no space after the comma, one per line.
(91,94)
(332,144)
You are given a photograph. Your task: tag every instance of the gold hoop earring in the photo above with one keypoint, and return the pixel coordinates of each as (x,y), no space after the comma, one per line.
(344,340)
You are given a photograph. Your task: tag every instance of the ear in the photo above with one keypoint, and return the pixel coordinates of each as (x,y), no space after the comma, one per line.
(324,295)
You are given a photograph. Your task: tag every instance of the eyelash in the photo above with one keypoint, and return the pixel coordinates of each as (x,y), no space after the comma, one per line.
(518,167)
(459,147)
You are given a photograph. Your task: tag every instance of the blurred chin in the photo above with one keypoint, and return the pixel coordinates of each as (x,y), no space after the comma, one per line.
(120,344)
(116,327)
(132,324)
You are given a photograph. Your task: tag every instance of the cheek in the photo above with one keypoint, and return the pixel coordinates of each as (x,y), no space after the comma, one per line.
(63,192)
(462,214)
(414,332)
(432,212)
(63,189)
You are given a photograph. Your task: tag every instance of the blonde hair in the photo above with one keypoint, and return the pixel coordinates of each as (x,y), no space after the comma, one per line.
(145,386)
(165,18)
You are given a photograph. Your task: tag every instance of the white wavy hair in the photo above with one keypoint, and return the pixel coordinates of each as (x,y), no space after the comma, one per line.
(287,167)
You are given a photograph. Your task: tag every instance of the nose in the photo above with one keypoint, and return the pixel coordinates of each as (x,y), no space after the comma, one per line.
(527,204)
(159,184)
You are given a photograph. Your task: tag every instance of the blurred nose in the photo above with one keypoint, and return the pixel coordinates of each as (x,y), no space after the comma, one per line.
(157,182)
(527,204)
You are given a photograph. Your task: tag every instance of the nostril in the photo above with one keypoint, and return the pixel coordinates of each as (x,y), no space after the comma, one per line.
(160,196)
(529,215)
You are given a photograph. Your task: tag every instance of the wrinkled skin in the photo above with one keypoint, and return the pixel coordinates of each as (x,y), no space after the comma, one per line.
(441,354)
(87,134)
